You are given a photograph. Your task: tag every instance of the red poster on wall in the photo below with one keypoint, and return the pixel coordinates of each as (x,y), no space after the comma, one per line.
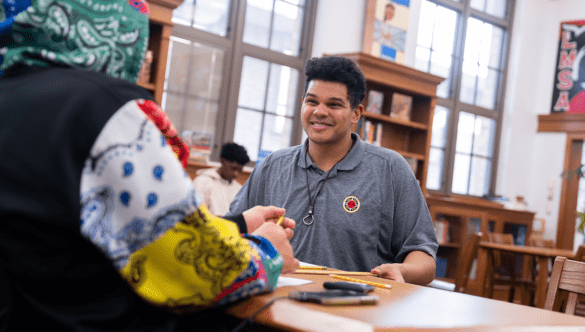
(569,88)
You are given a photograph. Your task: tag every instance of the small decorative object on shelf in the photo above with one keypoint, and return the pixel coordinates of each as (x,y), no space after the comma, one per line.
(413,163)
(200,146)
(375,102)
(146,68)
(401,105)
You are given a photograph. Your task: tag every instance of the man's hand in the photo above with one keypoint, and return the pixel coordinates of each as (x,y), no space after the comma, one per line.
(258,215)
(389,271)
(278,237)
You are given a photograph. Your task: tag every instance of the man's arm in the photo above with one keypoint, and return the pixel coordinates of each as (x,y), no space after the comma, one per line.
(418,268)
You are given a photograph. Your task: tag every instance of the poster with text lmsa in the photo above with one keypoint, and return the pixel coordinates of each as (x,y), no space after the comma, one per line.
(569,86)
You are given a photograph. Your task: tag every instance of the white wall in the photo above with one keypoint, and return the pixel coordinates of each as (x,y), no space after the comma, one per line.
(528,161)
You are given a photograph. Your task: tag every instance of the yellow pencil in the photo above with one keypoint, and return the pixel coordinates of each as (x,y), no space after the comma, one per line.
(362,281)
(312,268)
(280,220)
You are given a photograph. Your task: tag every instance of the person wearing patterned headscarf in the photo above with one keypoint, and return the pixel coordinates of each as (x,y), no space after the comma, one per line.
(100,227)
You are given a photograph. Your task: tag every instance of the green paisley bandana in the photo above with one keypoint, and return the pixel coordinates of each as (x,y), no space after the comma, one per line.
(108,36)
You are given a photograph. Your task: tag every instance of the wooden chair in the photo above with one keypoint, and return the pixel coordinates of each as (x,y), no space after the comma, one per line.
(505,272)
(568,276)
(466,261)
(464,265)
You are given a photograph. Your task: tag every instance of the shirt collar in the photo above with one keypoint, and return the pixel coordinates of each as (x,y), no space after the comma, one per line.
(351,160)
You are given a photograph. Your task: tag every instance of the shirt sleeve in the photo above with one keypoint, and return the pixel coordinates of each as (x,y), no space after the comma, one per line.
(138,205)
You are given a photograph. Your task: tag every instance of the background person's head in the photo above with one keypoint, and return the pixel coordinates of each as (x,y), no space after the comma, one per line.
(389,11)
(233,158)
(340,70)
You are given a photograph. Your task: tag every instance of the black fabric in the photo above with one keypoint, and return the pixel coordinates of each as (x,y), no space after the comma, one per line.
(240,221)
(50,119)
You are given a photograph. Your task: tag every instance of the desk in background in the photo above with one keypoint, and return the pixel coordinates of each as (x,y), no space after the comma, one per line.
(486,250)
(404,305)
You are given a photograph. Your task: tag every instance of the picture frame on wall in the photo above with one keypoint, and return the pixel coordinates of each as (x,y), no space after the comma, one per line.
(385,29)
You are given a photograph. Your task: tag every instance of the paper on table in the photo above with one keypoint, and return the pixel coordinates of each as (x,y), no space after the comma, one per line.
(288,281)
(308,264)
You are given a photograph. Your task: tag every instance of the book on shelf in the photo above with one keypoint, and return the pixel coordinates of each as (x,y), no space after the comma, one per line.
(401,106)
(473,227)
(519,233)
(442,231)
(413,163)
(375,102)
(372,133)
(441,270)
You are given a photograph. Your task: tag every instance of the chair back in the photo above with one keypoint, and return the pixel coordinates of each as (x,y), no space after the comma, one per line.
(466,261)
(503,262)
(535,241)
(567,275)
(580,254)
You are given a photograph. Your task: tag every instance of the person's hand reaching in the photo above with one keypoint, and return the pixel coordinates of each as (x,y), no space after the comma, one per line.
(278,237)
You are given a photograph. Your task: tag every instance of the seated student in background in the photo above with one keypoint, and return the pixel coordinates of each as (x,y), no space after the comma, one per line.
(218,186)
(101,229)
(358,207)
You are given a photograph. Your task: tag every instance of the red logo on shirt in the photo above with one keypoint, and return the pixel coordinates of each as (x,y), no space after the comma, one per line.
(351,204)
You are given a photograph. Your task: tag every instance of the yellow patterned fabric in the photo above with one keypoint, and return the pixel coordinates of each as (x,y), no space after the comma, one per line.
(190,264)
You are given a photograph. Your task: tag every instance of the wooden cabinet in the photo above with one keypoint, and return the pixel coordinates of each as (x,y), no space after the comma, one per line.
(467,215)
(409,137)
(161,13)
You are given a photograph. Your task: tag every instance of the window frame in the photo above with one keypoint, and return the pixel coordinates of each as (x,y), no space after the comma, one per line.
(235,50)
(454,104)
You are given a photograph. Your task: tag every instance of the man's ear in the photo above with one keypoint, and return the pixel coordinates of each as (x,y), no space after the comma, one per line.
(357,113)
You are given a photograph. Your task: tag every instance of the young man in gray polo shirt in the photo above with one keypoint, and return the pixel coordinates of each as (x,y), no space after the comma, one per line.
(358,207)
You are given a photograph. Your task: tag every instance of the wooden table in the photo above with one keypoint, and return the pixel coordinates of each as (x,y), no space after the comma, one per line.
(485,254)
(404,305)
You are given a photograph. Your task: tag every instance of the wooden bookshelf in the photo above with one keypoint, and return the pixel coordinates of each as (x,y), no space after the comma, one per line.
(410,138)
(469,215)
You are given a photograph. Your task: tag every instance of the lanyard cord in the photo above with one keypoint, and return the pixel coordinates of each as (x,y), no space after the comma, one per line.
(306,219)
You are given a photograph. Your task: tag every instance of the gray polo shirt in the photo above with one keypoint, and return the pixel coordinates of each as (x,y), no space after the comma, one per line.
(370,211)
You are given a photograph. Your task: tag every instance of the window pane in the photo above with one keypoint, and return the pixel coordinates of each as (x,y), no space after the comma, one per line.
(286,30)
(422,59)
(465,130)
(258,21)
(282,90)
(480,176)
(435,171)
(491,46)
(208,15)
(441,66)
(496,8)
(276,133)
(248,126)
(253,83)
(483,140)
(426,24)
(468,80)
(461,173)
(274,24)
(478,4)
(473,40)
(444,34)
(178,64)
(487,83)
(192,85)
(440,122)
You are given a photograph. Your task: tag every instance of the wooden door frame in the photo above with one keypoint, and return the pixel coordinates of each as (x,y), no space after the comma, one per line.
(569,191)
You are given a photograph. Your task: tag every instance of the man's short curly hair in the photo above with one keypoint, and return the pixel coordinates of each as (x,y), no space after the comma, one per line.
(337,69)
(235,152)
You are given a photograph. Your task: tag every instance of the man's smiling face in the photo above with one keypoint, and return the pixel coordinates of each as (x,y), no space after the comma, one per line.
(326,113)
